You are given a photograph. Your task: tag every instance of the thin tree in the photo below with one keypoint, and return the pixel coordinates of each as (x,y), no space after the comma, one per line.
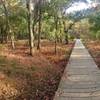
(39,23)
(30,26)
(56,27)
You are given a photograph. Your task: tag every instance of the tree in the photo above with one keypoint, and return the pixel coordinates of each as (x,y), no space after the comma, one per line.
(12,17)
(56,8)
(39,23)
(40,8)
(30,26)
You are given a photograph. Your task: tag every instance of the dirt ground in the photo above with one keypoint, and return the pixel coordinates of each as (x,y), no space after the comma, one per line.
(23,77)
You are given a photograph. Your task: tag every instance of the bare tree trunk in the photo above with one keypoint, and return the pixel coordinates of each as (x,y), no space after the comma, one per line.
(66,37)
(2,35)
(66,32)
(30,27)
(12,41)
(55,44)
(56,26)
(39,27)
(39,32)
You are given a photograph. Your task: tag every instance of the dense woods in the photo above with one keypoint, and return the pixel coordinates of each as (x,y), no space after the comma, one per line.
(39,19)
(31,19)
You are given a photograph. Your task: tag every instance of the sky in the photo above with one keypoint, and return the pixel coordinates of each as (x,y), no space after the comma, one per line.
(80,5)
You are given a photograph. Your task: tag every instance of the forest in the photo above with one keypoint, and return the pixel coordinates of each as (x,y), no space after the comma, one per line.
(36,40)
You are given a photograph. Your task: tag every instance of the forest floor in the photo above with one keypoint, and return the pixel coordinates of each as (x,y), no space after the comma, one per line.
(94,49)
(23,77)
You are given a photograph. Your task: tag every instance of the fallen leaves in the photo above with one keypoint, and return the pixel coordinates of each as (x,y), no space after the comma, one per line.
(94,48)
(36,77)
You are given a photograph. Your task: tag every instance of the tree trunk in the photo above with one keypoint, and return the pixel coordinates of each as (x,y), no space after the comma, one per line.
(12,41)
(30,27)
(39,27)
(56,27)
(39,32)
(66,32)
(55,44)
(2,35)
(66,37)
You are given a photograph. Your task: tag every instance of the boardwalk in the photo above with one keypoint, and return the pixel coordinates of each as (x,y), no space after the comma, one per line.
(81,79)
